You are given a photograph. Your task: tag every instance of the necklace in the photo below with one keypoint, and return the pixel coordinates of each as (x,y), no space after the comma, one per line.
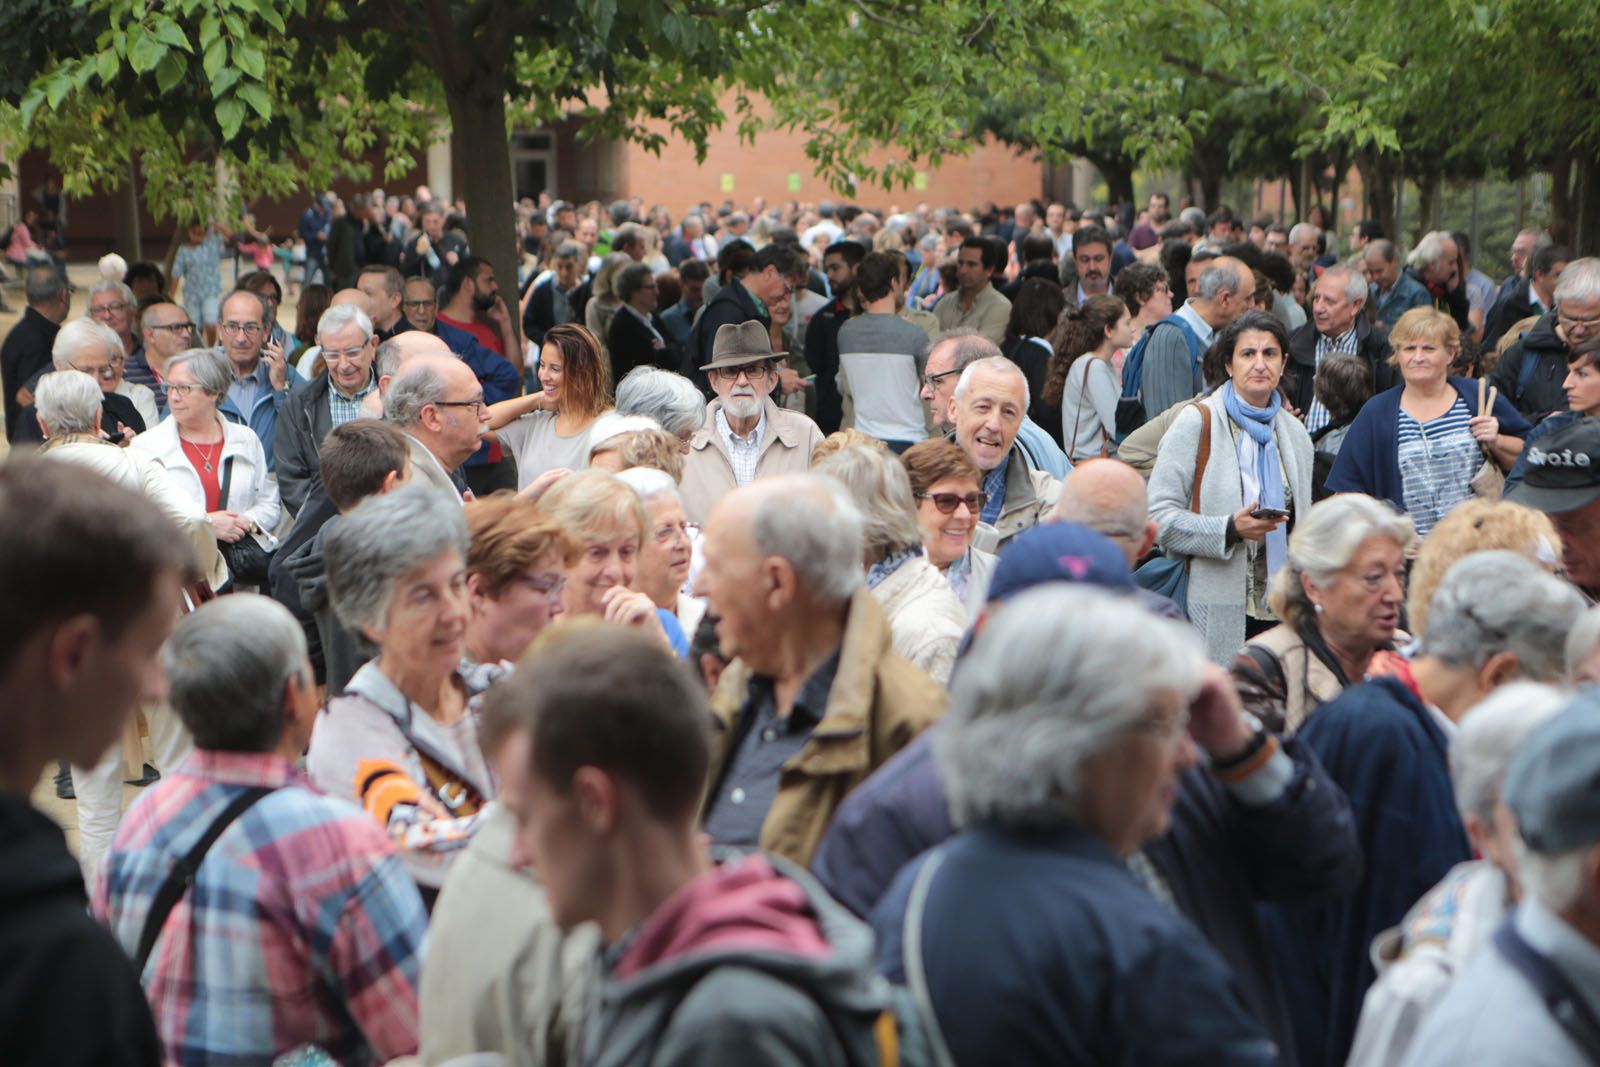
(206,455)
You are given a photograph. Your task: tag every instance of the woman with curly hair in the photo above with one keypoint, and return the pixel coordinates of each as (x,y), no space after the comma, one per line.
(1086,388)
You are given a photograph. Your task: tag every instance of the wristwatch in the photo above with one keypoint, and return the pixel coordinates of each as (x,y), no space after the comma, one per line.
(1258,740)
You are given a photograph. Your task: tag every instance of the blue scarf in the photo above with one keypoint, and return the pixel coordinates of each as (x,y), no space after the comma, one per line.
(1258,442)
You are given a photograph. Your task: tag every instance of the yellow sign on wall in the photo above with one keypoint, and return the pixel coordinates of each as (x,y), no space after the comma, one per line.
(727,183)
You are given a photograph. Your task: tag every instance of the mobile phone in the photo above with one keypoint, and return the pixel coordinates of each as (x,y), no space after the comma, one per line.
(810,379)
(1269,513)
(116,437)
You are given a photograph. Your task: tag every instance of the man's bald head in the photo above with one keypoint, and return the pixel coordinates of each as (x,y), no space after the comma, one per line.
(1109,497)
(402,348)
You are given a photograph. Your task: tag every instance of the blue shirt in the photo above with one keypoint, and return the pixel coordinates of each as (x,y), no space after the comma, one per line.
(994,484)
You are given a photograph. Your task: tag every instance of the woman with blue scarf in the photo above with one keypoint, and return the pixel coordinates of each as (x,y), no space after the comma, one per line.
(1253,458)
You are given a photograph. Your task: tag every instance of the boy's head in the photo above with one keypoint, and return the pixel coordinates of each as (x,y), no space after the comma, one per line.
(361,458)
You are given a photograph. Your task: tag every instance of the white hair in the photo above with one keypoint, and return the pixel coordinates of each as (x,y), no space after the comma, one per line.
(995,363)
(878,483)
(1429,250)
(227,664)
(80,333)
(611,425)
(671,399)
(1302,231)
(649,483)
(1329,536)
(1582,640)
(414,387)
(1556,879)
(380,541)
(1580,281)
(1221,276)
(68,401)
(209,367)
(1502,601)
(114,285)
(339,316)
(1054,679)
(1355,283)
(810,521)
(1491,732)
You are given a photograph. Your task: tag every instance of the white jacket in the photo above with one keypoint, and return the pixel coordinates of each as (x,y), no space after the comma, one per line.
(926,620)
(252,493)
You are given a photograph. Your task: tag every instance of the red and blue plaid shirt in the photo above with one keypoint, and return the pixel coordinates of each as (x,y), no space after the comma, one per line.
(301,927)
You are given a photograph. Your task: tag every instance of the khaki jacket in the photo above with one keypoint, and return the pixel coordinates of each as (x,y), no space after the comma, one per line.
(1030,500)
(708,472)
(878,704)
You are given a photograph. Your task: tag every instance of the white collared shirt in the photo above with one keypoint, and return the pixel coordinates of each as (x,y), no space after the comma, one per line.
(744,453)
(1202,329)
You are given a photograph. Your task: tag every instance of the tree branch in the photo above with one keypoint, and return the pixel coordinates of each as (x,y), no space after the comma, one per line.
(1189,66)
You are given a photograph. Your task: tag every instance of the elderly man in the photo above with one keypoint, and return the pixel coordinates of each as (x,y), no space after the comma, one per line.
(1523,246)
(744,298)
(951,354)
(1562,479)
(1531,997)
(1303,241)
(262,377)
(1436,263)
(1496,616)
(1169,370)
(294,923)
(102,570)
(167,331)
(1337,327)
(1064,749)
(816,697)
(111,303)
(90,347)
(987,408)
(1527,297)
(26,351)
(746,436)
(384,288)
(976,304)
(1533,371)
(432,251)
(438,403)
(1110,498)
(1394,290)
(333,399)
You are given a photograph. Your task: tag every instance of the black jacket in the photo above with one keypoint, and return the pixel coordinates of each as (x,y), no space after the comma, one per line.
(25,353)
(822,356)
(1299,376)
(1536,390)
(114,408)
(1039,268)
(540,314)
(283,584)
(629,345)
(343,650)
(1453,303)
(1512,306)
(732,304)
(303,421)
(68,994)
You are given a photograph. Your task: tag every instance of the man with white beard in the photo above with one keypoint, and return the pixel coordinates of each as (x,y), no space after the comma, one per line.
(746,436)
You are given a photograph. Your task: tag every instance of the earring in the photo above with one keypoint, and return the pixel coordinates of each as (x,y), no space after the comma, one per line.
(1318,607)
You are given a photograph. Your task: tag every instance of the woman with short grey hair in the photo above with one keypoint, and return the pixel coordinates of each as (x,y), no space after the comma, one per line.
(670,399)
(67,402)
(1497,617)
(666,555)
(402,739)
(1340,595)
(926,618)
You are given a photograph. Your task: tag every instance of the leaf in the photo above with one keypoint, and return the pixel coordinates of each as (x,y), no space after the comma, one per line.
(56,90)
(169,33)
(216,55)
(30,104)
(256,97)
(145,52)
(170,71)
(224,81)
(108,65)
(250,59)
(230,116)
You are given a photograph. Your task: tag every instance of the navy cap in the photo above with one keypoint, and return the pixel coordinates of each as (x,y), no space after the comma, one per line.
(1059,552)
(1553,785)
(1562,470)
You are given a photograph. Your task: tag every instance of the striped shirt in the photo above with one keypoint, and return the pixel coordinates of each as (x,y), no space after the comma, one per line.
(1317,417)
(1437,461)
(301,928)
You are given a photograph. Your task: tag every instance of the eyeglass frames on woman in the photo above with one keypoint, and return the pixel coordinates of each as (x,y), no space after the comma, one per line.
(948,502)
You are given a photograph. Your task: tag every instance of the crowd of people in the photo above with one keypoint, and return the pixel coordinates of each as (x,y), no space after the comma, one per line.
(806,636)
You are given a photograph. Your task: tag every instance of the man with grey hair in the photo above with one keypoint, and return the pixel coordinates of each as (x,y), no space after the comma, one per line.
(438,403)
(815,698)
(1338,326)
(952,352)
(1532,373)
(26,351)
(1061,757)
(332,399)
(1531,997)
(1436,263)
(262,377)
(293,922)
(1394,290)
(1170,372)
(989,405)
(91,347)
(1496,617)
(1304,238)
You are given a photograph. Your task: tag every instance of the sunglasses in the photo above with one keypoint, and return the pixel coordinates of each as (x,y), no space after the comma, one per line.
(948,502)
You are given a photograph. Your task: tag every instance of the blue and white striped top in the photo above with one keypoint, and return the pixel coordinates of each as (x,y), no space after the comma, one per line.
(1437,461)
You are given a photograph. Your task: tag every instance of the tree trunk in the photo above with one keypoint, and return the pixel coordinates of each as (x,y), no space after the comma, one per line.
(126,221)
(1586,230)
(1118,174)
(1561,183)
(480,152)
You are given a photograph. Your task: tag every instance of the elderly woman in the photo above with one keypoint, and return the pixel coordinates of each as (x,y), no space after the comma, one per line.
(215,463)
(947,487)
(662,572)
(670,399)
(1339,596)
(516,572)
(549,430)
(656,449)
(403,739)
(1478,526)
(926,619)
(605,517)
(112,304)
(1419,958)
(1230,473)
(1497,617)
(1419,444)
(607,435)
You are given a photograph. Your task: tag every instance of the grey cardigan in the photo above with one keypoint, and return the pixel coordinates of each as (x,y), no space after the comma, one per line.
(1217,572)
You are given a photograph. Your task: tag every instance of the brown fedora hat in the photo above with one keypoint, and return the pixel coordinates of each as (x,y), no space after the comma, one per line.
(736,346)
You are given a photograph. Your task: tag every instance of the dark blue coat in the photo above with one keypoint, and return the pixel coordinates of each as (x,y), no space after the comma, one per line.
(1041,948)
(1369,459)
(1220,856)
(1385,751)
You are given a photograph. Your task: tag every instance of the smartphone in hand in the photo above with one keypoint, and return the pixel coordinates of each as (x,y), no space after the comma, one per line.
(1269,513)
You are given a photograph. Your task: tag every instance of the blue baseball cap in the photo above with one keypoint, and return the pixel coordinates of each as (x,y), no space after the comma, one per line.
(1059,552)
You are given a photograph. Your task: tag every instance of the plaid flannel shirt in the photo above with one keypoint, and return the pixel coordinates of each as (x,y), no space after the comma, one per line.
(301,927)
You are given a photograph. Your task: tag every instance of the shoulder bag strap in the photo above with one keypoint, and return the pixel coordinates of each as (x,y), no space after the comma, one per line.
(1201,457)
(1564,1003)
(911,954)
(182,875)
(227,480)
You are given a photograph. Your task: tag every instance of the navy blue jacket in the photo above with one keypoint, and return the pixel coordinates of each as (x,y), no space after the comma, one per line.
(1559,421)
(1382,747)
(1369,459)
(1220,856)
(1040,947)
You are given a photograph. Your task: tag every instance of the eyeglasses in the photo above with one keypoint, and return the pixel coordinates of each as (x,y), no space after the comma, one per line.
(418,305)
(350,354)
(249,329)
(549,587)
(479,404)
(1572,323)
(107,372)
(175,327)
(105,311)
(671,532)
(184,391)
(948,502)
(752,371)
(932,380)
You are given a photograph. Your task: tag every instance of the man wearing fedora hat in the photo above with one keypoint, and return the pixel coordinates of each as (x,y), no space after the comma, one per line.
(746,436)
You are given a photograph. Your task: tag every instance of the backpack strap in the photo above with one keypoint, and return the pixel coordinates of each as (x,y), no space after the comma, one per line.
(182,874)
(1561,999)
(911,954)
